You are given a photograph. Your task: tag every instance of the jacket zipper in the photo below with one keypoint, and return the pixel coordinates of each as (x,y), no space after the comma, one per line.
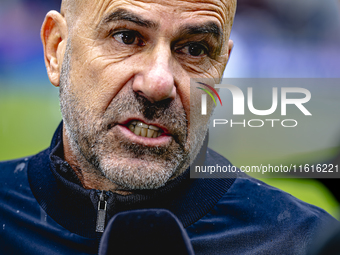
(101,213)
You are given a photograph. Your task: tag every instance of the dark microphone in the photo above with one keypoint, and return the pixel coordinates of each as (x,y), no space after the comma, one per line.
(147,231)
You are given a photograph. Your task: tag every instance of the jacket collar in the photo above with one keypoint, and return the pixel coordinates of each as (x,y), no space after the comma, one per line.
(60,193)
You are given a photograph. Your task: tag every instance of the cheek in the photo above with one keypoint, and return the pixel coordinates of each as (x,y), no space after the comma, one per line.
(97,78)
(196,117)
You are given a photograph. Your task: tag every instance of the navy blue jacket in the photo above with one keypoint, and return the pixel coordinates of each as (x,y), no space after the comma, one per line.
(45,210)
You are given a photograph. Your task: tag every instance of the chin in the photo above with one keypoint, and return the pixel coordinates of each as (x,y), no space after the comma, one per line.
(137,174)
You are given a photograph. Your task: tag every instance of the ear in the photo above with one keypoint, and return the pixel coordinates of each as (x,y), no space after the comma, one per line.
(54,39)
(230,47)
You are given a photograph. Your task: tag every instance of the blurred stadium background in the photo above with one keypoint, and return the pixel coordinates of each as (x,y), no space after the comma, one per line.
(273,39)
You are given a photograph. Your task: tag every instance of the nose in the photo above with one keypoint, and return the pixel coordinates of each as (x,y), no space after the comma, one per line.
(156,80)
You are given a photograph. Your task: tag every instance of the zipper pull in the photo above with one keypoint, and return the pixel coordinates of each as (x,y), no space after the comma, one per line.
(101,214)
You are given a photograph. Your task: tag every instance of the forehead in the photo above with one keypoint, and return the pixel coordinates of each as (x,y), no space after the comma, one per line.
(94,12)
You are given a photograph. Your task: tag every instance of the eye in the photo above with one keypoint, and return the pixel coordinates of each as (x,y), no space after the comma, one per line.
(194,49)
(128,37)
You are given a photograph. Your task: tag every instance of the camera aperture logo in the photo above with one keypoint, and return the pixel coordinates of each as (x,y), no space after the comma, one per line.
(239,105)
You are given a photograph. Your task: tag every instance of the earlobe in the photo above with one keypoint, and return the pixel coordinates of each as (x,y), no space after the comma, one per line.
(54,38)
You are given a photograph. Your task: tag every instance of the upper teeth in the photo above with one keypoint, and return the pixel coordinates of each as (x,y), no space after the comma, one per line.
(141,129)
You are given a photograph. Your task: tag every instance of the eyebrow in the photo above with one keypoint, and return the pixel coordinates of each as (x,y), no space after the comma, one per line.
(124,15)
(207,28)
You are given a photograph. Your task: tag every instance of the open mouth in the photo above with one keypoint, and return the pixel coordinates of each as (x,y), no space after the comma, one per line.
(141,129)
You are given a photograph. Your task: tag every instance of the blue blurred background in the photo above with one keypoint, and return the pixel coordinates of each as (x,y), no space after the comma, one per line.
(21,55)
(273,38)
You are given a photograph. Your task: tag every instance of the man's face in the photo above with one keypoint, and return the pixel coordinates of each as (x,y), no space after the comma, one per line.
(125,84)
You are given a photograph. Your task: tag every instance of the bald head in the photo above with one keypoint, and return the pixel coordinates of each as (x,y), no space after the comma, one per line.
(71,9)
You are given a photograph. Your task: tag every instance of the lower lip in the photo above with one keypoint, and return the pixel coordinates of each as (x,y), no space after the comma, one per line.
(162,140)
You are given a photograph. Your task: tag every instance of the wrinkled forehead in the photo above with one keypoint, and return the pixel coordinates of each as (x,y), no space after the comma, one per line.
(93,12)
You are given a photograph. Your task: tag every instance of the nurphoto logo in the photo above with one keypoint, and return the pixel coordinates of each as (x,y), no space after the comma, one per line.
(238,104)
